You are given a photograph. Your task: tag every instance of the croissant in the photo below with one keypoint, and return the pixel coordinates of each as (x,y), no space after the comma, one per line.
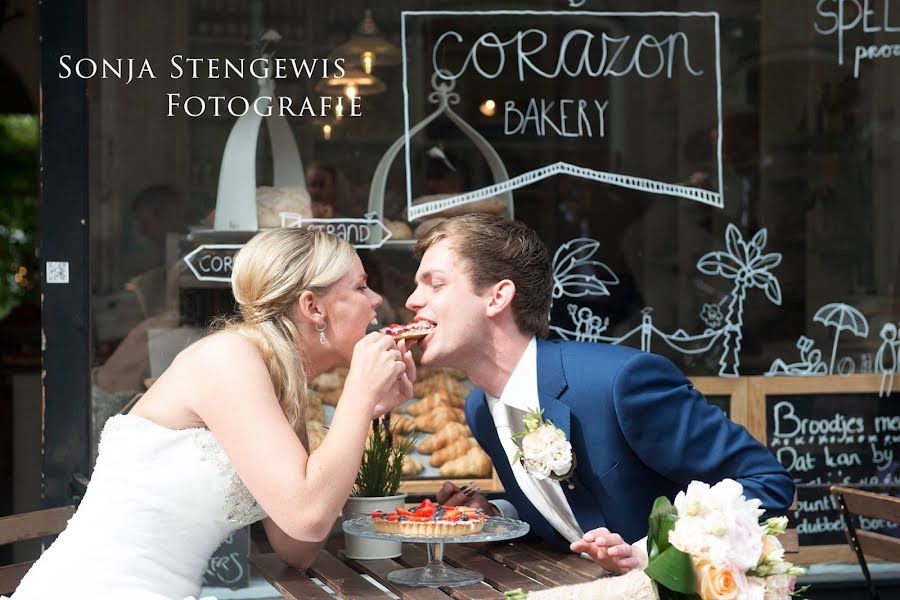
(331,379)
(313,397)
(458,388)
(315,413)
(426,404)
(455,400)
(433,420)
(315,431)
(445,435)
(473,463)
(331,396)
(401,424)
(455,373)
(411,467)
(439,381)
(451,451)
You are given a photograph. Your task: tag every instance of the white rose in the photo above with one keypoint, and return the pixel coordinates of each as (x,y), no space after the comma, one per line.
(537,468)
(561,462)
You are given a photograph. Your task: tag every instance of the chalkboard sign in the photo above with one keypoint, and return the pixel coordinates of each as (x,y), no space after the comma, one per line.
(827,438)
(228,567)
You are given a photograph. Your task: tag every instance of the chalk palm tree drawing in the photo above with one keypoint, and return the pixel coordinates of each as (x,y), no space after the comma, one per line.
(744,263)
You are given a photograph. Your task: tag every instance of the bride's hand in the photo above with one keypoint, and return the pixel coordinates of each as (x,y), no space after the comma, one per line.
(375,367)
(402,388)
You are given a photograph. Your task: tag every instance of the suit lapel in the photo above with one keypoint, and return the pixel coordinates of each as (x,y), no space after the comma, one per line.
(487,433)
(552,388)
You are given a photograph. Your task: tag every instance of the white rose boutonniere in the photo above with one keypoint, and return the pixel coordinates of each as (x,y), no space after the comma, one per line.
(544,450)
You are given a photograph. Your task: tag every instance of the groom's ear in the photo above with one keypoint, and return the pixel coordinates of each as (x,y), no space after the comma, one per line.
(502,294)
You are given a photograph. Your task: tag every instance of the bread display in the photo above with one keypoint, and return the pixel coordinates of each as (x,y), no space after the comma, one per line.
(401,424)
(435,415)
(329,380)
(315,431)
(400,230)
(474,463)
(315,413)
(272,201)
(436,418)
(331,397)
(426,404)
(452,451)
(446,435)
(411,467)
(440,383)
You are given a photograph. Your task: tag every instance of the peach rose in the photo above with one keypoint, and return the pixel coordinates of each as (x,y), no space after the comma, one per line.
(715,583)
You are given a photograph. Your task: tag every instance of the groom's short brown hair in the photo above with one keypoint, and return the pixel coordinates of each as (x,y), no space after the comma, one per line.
(495,248)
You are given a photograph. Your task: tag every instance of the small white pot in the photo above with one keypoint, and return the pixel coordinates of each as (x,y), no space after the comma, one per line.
(368,548)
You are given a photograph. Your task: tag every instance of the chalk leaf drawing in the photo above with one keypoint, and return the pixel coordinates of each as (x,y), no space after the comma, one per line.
(576,275)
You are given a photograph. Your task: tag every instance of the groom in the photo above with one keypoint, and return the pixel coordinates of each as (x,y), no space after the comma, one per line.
(637,427)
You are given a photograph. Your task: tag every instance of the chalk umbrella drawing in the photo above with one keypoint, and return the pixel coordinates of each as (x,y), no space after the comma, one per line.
(842,317)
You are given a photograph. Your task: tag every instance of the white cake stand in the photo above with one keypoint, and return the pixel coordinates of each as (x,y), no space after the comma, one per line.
(436,573)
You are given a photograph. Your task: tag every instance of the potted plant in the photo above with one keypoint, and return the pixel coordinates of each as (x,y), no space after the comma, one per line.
(377,483)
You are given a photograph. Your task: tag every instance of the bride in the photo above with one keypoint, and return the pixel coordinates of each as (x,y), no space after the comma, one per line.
(219,441)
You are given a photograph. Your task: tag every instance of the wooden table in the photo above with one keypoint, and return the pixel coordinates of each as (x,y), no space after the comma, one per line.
(505,566)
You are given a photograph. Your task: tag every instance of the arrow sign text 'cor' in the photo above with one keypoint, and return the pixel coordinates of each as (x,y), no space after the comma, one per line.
(213,262)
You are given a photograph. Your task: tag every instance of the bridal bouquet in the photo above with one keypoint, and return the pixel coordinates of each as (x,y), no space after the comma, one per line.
(710,544)
(543,449)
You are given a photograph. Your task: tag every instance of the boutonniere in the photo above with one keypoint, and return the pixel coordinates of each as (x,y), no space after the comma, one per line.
(544,450)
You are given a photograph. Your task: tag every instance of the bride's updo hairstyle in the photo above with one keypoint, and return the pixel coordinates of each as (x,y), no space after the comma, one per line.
(269,274)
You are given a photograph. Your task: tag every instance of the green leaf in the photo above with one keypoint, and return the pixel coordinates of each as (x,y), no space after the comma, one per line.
(655,543)
(674,570)
(381,467)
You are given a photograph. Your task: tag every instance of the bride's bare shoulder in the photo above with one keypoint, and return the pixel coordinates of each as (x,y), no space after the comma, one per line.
(221,349)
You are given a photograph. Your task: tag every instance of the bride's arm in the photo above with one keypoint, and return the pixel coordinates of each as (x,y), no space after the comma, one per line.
(235,398)
(295,553)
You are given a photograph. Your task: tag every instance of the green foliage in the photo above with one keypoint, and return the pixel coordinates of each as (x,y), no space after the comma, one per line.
(669,567)
(381,467)
(18,211)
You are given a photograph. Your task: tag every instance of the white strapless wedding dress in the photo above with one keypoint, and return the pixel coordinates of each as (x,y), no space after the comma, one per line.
(159,503)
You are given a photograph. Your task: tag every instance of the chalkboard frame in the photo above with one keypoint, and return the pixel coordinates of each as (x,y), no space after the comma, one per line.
(760,388)
(733,387)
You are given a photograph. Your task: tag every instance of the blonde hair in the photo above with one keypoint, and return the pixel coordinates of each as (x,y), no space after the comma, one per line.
(269,274)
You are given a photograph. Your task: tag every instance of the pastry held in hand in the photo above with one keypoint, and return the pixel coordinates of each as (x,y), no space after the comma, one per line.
(475,462)
(411,331)
(445,436)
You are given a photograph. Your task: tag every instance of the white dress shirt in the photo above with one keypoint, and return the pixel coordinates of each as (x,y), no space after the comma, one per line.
(518,397)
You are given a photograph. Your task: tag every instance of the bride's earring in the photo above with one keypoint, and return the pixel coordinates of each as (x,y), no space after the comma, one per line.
(321,333)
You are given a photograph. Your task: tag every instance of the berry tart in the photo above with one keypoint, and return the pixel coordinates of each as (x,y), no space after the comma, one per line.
(430,520)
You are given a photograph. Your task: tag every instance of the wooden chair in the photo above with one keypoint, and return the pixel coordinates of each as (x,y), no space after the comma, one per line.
(855,502)
(28,526)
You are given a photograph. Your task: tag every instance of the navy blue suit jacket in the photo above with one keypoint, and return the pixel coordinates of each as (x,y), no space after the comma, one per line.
(639,430)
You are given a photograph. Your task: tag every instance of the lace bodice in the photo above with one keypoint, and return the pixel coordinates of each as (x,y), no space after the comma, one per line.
(159,503)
